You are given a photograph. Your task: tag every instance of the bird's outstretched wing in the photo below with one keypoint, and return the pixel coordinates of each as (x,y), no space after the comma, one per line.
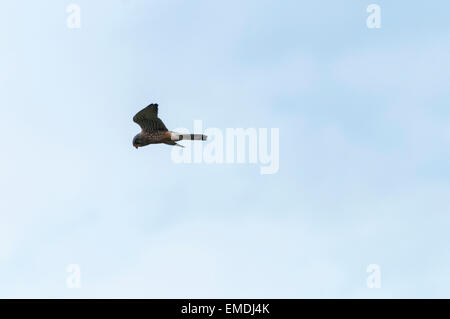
(148,119)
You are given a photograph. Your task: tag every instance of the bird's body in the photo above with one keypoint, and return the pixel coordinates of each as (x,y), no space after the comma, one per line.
(155,132)
(155,137)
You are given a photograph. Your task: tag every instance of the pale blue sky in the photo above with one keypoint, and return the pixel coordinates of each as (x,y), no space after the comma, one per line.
(364,153)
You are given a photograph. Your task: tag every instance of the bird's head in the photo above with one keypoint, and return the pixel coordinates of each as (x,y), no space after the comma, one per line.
(137,141)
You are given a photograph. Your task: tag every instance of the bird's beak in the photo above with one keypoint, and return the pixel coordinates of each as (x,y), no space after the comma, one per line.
(136,147)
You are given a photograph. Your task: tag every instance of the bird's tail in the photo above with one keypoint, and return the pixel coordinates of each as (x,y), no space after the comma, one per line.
(191,137)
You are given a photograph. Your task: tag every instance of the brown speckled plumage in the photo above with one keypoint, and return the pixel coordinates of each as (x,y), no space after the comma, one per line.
(156,137)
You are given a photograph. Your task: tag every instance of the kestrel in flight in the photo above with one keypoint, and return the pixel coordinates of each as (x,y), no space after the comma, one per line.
(154,131)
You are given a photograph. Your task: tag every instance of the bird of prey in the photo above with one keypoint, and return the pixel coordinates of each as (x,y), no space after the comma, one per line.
(154,131)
